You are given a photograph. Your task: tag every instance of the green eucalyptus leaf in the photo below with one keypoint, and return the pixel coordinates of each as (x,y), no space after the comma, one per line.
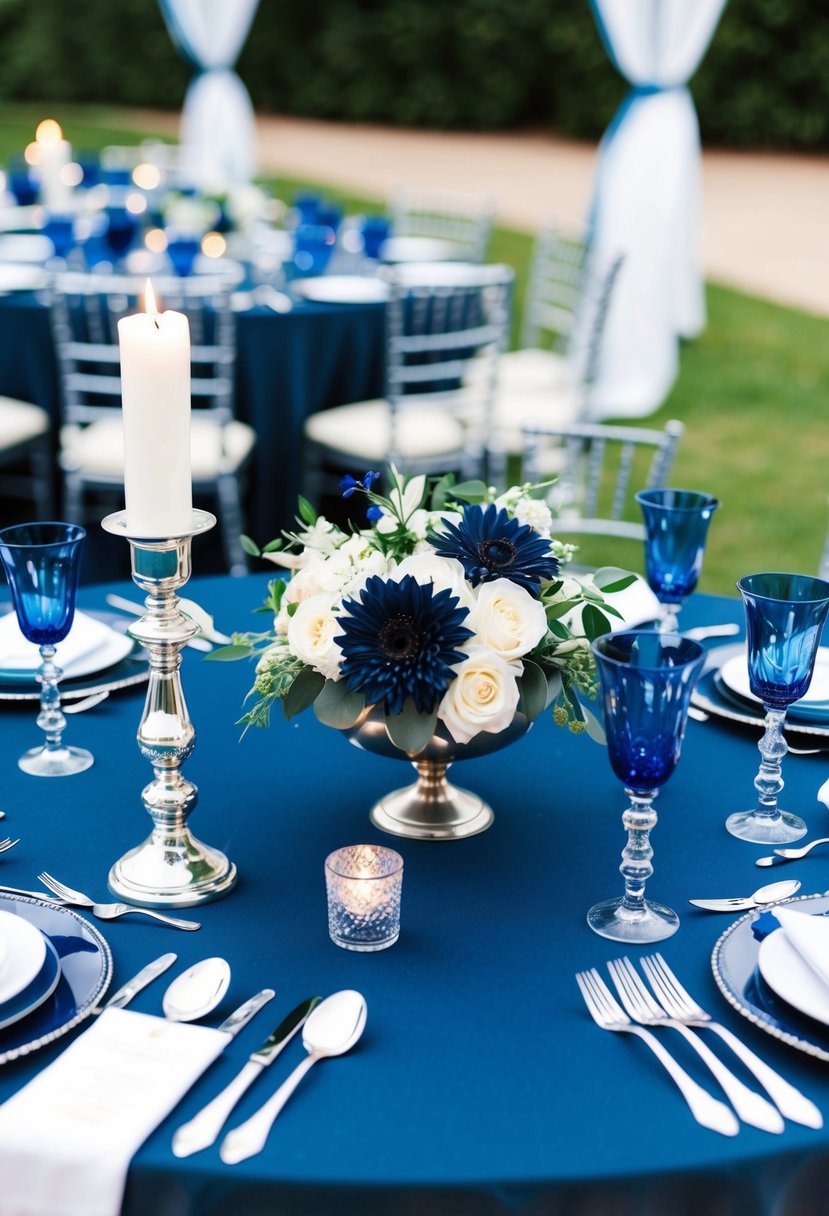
(303,692)
(337,706)
(611,579)
(276,590)
(306,511)
(229,654)
(470,491)
(592,725)
(594,622)
(250,546)
(532,686)
(410,730)
(556,611)
(441,490)
(274,545)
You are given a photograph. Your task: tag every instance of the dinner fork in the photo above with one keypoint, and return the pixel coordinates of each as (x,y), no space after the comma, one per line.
(7,844)
(677,1001)
(751,1107)
(109,911)
(609,1015)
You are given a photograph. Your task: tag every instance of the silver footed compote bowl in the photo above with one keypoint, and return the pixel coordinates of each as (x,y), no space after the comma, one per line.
(431,808)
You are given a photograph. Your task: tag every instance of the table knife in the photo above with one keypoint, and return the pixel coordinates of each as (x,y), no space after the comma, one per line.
(245,1013)
(203,1129)
(132,987)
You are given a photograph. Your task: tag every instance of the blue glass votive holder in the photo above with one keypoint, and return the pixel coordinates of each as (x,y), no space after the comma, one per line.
(363,883)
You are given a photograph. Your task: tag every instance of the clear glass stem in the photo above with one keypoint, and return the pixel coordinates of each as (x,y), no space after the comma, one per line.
(50,719)
(639,820)
(669,618)
(769,781)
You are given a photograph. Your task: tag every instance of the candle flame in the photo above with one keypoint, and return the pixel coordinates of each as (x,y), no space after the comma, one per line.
(150,305)
(48,132)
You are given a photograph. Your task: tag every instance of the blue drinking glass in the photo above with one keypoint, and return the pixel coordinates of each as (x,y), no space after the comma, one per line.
(646,683)
(676,526)
(22,182)
(182,251)
(42,564)
(375,231)
(60,230)
(120,230)
(784,620)
(313,246)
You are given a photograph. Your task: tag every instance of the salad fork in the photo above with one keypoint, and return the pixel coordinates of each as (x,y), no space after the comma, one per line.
(750,1106)
(609,1015)
(7,844)
(683,1008)
(109,911)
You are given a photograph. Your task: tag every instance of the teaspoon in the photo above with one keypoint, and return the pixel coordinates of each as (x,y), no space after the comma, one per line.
(332,1029)
(781,855)
(762,897)
(197,991)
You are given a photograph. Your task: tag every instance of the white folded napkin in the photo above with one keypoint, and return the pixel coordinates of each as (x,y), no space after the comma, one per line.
(810,937)
(67,1138)
(83,639)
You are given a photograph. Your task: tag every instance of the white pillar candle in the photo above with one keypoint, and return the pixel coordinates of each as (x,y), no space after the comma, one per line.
(53,155)
(155,394)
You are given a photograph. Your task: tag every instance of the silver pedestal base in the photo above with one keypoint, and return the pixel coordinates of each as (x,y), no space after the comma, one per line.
(154,875)
(432,809)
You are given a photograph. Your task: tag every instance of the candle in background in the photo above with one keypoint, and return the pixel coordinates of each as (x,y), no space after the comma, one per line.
(52,154)
(155,394)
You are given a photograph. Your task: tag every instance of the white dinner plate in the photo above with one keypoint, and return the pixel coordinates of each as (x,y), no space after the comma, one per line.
(25,952)
(734,674)
(342,289)
(17,276)
(109,648)
(32,248)
(417,249)
(789,975)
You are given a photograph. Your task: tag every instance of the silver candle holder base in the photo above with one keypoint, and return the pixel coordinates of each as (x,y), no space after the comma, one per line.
(171,868)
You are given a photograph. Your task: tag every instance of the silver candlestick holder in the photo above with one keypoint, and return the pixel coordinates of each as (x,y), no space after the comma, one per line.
(171,868)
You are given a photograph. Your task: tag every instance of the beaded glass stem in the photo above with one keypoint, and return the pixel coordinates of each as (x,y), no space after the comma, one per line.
(42,564)
(784,618)
(171,868)
(676,527)
(646,681)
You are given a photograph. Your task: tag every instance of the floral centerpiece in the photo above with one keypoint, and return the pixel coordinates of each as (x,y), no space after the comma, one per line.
(448,616)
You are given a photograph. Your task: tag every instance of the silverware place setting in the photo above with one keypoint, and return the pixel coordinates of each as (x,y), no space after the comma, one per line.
(763,897)
(8,843)
(779,856)
(109,911)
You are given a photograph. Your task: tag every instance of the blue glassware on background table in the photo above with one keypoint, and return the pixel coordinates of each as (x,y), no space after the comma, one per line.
(120,230)
(646,683)
(785,614)
(22,182)
(60,229)
(313,247)
(182,250)
(375,231)
(42,564)
(676,527)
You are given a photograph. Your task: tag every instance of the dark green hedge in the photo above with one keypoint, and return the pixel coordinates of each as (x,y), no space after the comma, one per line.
(478,64)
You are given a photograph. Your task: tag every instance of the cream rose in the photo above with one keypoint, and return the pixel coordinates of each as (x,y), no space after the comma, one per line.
(483,695)
(311,632)
(507,619)
(444,573)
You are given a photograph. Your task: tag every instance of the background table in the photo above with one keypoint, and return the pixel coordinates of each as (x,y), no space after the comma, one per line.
(481,1085)
(289,365)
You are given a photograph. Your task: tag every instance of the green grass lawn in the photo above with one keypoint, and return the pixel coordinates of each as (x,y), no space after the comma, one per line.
(752,393)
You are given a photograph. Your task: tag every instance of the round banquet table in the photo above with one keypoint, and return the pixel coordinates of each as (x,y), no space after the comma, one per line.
(289,365)
(480,1086)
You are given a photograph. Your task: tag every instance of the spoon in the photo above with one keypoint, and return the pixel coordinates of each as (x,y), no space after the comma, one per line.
(197,991)
(332,1029)
(781,855)
(762,897)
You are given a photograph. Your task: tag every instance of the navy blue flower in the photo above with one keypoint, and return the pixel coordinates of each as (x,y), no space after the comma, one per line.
(490,545)
(400,640)
(349,485)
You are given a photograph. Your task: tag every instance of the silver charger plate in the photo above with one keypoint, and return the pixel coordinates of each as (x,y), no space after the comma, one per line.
(734,964)
(133,669)
(708,697)
(85,974)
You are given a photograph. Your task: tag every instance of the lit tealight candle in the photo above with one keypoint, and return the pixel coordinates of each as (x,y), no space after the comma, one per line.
(363,883)
(155,394)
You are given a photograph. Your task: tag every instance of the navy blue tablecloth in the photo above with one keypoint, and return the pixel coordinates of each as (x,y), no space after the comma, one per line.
(481,1085)
(289,365)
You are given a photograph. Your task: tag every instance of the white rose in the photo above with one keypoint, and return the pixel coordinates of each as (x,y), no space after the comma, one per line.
(444,573)
(311,632)
(483,695)
(507,619)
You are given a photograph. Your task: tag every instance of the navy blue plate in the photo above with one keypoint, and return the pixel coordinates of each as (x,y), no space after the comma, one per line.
(734,963)
(36,992)
(85,975)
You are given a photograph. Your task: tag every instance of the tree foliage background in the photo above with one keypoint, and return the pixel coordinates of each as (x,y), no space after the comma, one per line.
(477,64)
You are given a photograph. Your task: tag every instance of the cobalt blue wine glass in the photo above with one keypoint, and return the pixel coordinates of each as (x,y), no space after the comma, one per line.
(646,679)
(784,619)
(676,526)
(42,564)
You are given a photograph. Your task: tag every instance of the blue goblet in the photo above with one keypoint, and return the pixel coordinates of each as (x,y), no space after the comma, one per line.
(42,564)
(676,526)
(784,618)
(646,683)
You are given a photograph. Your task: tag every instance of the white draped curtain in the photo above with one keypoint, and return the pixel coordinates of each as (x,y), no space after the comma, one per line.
(646,199)
(218,131)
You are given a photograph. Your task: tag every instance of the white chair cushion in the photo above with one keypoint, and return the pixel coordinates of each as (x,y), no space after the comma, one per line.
(364,430)
(517,409)
(533,370)
(98,449)
(20,422)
